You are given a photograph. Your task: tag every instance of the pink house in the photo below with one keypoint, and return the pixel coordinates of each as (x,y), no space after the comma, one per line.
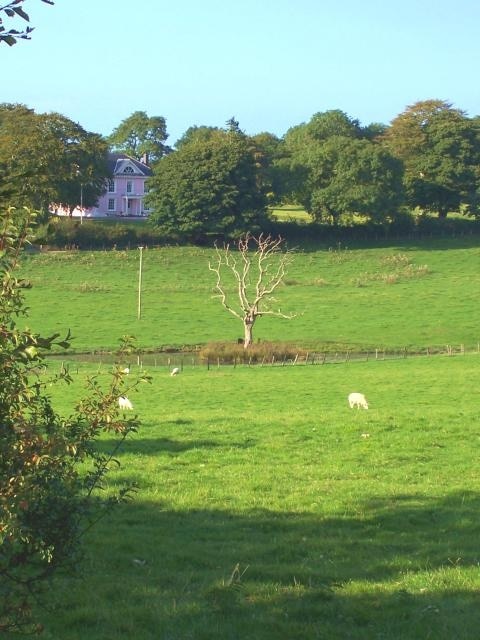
(125,190)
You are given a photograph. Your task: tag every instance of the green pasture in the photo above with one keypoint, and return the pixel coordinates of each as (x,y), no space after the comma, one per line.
(267,509)
(411,295)
(291,213)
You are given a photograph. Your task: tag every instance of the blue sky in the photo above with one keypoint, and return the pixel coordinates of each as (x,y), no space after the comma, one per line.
(270,63)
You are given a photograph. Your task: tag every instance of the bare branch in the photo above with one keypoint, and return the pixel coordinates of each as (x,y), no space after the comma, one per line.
(218,285)
(255,297)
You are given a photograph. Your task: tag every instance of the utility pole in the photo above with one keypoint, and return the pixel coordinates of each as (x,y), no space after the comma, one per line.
(139,310)
(81,203)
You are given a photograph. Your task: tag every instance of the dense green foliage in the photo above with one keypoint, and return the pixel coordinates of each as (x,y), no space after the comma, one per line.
(335,169)
(141,137)
(49,468)
(347,176)
(197,134)
(47,159)
(440,149)
(268,509)
(208,186)
(218,181)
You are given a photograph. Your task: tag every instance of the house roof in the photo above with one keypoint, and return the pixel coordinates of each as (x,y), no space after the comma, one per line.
(118,161)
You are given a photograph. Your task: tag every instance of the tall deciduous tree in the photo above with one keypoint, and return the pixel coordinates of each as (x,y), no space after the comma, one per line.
(208,186)
(354,176)
(48,159)
(246,281)
(334,167)
(440,148)
(197,134)
(14,9)
(141,137)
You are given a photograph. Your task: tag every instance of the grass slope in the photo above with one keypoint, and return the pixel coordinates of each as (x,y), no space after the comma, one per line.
(268,509)
(424,294)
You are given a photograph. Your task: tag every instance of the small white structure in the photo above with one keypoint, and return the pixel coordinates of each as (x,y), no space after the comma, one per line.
(357,400)
(175,371)
(124,403)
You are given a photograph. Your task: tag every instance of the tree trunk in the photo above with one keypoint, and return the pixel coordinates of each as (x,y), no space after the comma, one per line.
(248,332)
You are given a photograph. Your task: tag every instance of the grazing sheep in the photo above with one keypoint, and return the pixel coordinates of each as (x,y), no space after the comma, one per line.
(126,371)
(175,371)
(124,403)
(357,400)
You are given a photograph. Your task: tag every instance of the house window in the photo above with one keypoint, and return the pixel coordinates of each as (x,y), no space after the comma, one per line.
(111,204)
(111,186)
(146,188)
(128,170)
(129,186)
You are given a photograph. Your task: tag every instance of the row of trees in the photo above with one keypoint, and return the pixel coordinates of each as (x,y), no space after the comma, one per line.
(428,158)
(220,180)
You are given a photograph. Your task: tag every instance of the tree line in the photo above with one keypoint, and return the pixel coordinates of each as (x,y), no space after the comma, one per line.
(221,180)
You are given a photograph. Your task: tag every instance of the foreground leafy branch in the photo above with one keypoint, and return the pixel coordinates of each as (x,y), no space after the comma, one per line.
(50,467)
(14,9)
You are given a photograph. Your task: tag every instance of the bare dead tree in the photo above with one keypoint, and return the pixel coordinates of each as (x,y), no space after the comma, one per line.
(257,271)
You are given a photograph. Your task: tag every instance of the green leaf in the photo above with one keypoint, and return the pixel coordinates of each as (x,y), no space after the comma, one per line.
(20,12)
(10,40)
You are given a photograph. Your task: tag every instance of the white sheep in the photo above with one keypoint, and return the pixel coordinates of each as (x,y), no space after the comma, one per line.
(175,371)
(357,400)
(124,403)
(126,370)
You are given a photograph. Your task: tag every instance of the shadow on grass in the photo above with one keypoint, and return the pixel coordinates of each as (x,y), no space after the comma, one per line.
(401,567)
(149,446)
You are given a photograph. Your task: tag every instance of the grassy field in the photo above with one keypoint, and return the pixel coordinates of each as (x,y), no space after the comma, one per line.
(408,295)
(291,213)
(268,509)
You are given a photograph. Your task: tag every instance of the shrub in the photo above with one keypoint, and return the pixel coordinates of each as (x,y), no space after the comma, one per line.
(230,352)
(50,468)
(61,233)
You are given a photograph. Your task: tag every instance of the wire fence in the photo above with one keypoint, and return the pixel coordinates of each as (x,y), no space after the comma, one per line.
(185,360)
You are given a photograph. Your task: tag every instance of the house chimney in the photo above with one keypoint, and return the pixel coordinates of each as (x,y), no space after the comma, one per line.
(144,158)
